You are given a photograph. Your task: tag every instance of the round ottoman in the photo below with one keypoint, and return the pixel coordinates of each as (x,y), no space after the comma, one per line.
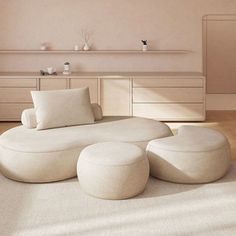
(195,155)
(113,170)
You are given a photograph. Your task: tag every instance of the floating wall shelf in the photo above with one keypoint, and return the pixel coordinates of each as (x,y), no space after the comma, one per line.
(94,52)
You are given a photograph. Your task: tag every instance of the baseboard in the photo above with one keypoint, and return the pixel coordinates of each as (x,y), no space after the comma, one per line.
(221,101)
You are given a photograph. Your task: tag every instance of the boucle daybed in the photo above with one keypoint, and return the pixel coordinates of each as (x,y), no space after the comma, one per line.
(50,155)
(195,155)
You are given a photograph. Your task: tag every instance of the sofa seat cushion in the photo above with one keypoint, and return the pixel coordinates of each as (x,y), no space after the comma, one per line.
(195,155)
(202,140)
(109,129)
(50,155)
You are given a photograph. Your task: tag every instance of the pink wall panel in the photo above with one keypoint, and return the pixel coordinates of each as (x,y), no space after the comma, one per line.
(221,55)
(114,24)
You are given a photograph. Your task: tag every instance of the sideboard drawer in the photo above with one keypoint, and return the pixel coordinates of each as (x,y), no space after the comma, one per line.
(167,95)
(18,95)
(167,82)
(53,84)
(170,112)
(12,111)
(18,83)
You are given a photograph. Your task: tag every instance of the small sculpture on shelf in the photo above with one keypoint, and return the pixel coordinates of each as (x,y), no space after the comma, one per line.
(145,45)
(48,71)
(66,69)
(44,46)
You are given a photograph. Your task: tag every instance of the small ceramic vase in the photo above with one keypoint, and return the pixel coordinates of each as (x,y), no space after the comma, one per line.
(76,47)
(86,47)
(145,47)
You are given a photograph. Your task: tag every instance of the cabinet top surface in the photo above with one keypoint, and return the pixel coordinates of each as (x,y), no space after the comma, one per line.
(30,75)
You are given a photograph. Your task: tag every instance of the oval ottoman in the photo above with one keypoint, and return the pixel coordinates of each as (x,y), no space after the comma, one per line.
(113,170)
(195,155)
(50,155)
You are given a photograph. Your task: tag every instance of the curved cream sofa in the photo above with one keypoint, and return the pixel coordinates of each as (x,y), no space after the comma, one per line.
(195,155)
(29,155)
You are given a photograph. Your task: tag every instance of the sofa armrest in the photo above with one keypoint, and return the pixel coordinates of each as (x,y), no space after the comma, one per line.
(28,118)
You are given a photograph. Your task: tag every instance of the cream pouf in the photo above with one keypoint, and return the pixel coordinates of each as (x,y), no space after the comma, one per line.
(195,155)
(113,170)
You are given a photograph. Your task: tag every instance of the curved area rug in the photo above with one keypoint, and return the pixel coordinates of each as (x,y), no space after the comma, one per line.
(164,208)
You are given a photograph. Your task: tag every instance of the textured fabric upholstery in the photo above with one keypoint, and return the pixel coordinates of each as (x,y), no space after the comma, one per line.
(113,170)
(60,108)
(97,111)
(28,117)
(195,155)
(32,156)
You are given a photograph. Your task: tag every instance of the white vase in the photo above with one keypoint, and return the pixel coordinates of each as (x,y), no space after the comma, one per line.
(145,47)
(76,47)
(86,47)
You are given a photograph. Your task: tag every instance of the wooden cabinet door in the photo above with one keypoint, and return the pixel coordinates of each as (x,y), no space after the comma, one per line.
(85,82)
(53,84)
(115,97)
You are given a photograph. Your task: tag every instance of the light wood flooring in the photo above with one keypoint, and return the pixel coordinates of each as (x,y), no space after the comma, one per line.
(224,121)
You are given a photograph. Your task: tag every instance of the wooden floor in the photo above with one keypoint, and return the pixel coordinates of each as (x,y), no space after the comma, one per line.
(224,121)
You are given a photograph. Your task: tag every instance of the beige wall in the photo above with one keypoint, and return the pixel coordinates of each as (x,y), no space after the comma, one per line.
(115,24)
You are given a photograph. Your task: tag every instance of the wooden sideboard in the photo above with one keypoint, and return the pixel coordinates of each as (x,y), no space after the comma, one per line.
(162,96)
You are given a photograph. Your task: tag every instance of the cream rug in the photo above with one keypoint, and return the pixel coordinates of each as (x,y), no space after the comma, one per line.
(163,209)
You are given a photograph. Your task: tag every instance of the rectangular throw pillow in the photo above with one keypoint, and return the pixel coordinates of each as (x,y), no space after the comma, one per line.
(61,108)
